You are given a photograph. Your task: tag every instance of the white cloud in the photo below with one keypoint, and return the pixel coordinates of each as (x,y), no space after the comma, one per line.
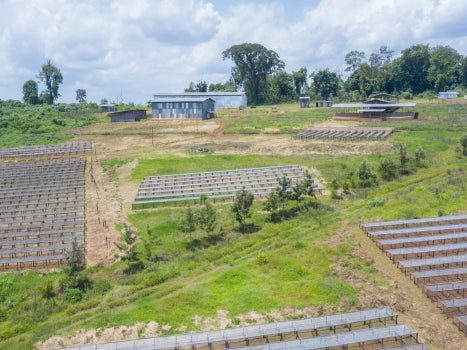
(134,49)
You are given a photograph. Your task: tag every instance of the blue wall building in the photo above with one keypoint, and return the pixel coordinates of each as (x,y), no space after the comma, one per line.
(183,108)
(222,99)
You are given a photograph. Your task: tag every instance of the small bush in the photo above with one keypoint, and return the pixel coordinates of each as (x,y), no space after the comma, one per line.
(299,245)
(262,259)
(387,168)
(376,202)
(102,286)
(406,95)
(73,295)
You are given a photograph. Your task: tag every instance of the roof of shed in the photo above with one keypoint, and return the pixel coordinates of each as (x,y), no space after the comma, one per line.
(201,94)
(182,99)
(376,105)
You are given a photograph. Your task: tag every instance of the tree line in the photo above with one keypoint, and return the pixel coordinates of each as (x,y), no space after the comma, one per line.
(420,69)
(51,77)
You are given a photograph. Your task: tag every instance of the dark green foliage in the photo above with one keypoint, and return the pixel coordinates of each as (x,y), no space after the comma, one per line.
(241,207)
(207,217)
(420,154)
(81,95)
(188,224)
(444,67)
(30,92)
(75,255)
(26,124)
(299,80)
(353,60)
(52,78)
(280,88)
(403,159)
(387,168)
(253,63)
(102,286)
(364,170)
(272,202)
(73,295)
(463,142)
(48,290)
(325,84)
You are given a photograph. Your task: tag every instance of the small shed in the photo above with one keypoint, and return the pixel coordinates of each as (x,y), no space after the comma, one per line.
(448,94)
(183,108)
(323,103)
(133,115)
(108,108)
(304,102)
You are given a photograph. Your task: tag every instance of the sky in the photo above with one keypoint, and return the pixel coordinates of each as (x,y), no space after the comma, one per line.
(126,51)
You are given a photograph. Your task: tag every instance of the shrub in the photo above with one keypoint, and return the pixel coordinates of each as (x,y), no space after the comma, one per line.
(262,259)
(102,286)
(73,295)
(420,154)
(387,168)
(406,95)
(364,171)
(463,142)
(376,202)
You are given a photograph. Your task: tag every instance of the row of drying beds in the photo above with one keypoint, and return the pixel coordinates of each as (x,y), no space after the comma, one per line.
(351,134)
(221,184)
(68,148)
(42,211)
(366,328)
(210,188)
(150,185)
(433,251)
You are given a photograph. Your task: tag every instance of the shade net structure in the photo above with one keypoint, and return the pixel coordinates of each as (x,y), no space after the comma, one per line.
(345,134)
(446,290)
(70,149)
(277,332)
(42,204)
(454,306)
(461,322)
(408,347)
(433,221)
(439,276)
(433,251)
(418,231)
(223,184)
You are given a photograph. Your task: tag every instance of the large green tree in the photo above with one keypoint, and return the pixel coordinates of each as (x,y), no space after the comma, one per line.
(463,72)
(299,80)
(30,92)
(353,60)
(445,63)
(413,68)
(81,95)
(280,88)
(253,63)
(325,83)
(52,78)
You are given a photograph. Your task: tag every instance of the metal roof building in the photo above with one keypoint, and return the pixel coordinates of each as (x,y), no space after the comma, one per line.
(108,108)
(132,115)
(223,99)
(374,111)
(183,108)
(448,94)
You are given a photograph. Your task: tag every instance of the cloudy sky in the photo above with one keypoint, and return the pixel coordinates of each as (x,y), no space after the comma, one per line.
(128,50)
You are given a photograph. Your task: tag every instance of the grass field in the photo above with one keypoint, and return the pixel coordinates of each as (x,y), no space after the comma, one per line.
(316,261)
